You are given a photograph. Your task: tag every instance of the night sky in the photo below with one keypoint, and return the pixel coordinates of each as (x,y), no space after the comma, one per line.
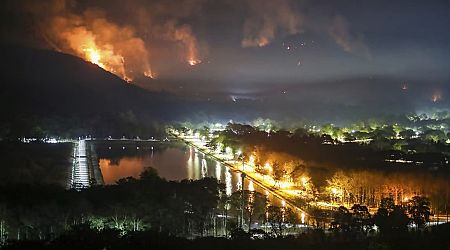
(374,54)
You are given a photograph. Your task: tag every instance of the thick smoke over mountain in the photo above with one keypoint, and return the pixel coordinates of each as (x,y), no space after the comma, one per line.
(99,35)
(93,37)
(123,36)
(249,49)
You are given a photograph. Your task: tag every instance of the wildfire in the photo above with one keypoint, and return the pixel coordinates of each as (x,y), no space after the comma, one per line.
(116,48)
(127,79)
(255,42)
(436,97)
(94,38)
(93,56)
(149,74)
(263,41)
(107,60)
(194,62)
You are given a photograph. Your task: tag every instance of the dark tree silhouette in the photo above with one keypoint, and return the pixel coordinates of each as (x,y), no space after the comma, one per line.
(419,210)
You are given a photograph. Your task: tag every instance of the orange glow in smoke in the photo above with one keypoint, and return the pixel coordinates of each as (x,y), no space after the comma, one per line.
(436,97)
(149,74)
(93,56)
(105,59)
(93,38)
(194,62)
(263,42)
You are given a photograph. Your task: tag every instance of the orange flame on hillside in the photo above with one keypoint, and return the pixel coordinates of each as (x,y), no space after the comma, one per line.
(114,48)
(105,59)
(149,74)
(183,34)
(93,56)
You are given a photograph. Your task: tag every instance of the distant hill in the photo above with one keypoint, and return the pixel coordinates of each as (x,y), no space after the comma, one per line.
(50,91)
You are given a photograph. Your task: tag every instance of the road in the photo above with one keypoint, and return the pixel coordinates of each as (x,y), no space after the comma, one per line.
(289,203)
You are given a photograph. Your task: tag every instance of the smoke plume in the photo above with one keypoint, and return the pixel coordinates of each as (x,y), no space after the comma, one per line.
(97,32)
(354,44)
(94,38)
(266,18)
(183,35)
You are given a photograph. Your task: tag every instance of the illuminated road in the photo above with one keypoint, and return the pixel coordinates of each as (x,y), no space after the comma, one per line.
(277,193)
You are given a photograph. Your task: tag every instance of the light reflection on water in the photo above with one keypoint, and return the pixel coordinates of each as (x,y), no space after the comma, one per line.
(204,168)
(228,182)
(218,170)
(178,162)
(174,162)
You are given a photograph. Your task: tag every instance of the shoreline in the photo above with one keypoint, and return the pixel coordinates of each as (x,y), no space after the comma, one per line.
(298,210)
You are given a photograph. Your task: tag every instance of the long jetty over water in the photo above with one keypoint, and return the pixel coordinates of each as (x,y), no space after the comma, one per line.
(85,169)
(80,169)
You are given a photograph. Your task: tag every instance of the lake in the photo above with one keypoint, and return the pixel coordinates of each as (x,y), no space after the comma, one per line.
(178,161)
(172,160)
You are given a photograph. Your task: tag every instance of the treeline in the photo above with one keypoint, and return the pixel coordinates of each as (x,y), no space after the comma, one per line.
(85,237)
(152,213)
(187,208)
(322,148)
(112,124)
(45,211)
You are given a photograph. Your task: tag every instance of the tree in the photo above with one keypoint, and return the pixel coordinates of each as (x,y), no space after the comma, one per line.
(342,219)
(407,134)
(256,204)
(327,129)
(276,216)
(434,135)
(387,203)
(253,203)
(361,218)
(204,132)
(301,132)
(419,210)
(278,172)
(391,219)
(338,186)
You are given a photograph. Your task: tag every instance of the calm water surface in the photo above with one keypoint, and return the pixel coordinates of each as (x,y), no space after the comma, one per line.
(178,161)
(173,161)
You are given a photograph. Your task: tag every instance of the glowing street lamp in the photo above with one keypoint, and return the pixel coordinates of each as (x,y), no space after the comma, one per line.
(252,160)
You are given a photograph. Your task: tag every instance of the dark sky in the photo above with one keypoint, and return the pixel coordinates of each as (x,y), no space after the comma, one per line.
(349,52)
(407,40)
